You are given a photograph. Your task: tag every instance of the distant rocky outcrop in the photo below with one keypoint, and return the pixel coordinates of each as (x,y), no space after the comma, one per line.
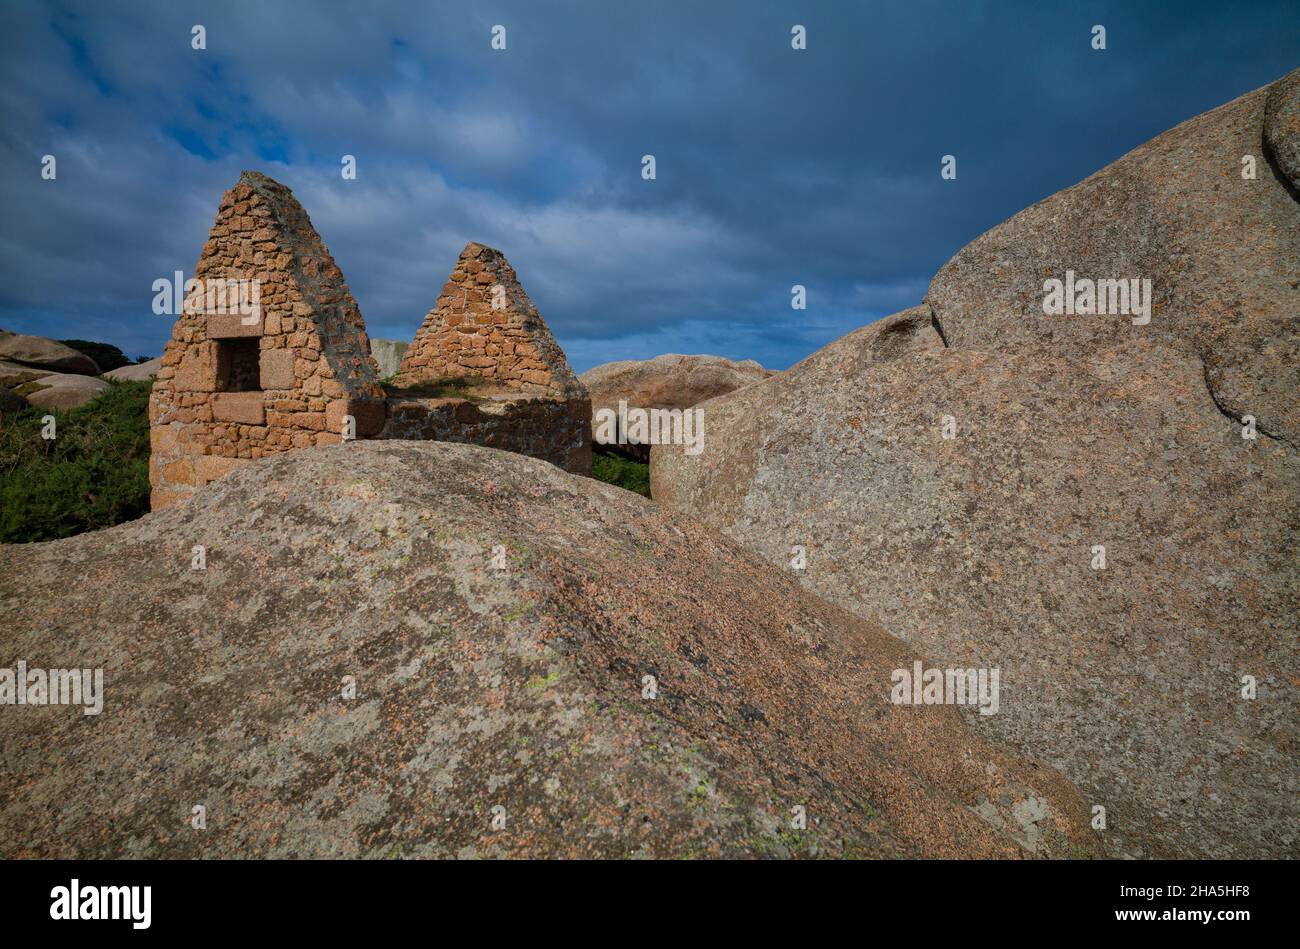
(388,354)
(47,354)
(46,373)
(670,381)
(1104,509)
(13,374)
(62,390)
(139,371)
(627,684)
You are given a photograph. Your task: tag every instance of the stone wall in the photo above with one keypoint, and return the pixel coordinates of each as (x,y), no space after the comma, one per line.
(484,327)
(228,393)
(235,386)
(508,344)
(549,429)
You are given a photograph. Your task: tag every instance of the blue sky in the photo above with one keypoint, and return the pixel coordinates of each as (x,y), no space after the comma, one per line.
(775,166)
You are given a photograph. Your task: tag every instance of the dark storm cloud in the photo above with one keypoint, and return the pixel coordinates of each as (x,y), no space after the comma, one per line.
(775,167)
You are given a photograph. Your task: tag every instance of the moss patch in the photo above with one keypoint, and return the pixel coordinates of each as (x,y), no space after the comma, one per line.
(27,388)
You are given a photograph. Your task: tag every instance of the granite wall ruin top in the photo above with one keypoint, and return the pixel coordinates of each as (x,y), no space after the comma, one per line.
(273,365)
(484,325)
(262,234)
(281,359)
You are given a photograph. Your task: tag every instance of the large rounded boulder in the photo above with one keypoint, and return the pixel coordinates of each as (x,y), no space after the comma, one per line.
(671,381)
(425,649)
(1104,509)
(47,354)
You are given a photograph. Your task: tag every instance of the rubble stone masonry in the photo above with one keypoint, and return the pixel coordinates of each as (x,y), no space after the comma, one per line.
(485,328)
(233,388)
(228,393)
(550,429)
(507,344)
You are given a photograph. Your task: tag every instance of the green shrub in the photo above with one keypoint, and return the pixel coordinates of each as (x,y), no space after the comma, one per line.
(455,387)
(615,469)
(107,356)
(94,474)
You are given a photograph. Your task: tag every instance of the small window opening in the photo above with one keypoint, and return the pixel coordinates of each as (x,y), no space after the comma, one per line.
(238,365)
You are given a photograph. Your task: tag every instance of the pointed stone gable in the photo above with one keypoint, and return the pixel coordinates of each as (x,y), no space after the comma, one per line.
(484,325)
(275,363)
(269,353)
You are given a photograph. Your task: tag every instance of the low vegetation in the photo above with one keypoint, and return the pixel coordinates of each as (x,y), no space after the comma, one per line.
(107,356)
(457,387)
(94,473)
(615,469)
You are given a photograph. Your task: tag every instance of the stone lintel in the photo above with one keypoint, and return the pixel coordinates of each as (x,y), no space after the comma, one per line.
(244,407)
(232,326)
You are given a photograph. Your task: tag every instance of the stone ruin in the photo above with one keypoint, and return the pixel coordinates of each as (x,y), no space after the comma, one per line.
(484,325)
(277,358)
(484,329)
